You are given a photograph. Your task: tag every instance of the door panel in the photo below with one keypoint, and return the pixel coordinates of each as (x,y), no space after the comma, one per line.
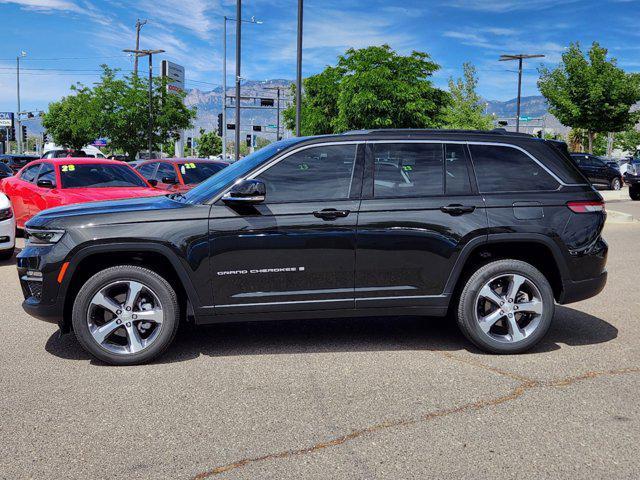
(296,251)
(407,246)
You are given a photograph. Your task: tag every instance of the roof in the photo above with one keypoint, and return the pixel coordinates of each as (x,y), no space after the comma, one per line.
(83,161)
(181,160)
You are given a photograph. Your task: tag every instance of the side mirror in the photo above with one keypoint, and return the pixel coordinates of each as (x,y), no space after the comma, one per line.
(152,182)
(46,184)
(246,192)
(169,180)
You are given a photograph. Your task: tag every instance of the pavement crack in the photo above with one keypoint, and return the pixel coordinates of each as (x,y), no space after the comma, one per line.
(499,371)
(524,386)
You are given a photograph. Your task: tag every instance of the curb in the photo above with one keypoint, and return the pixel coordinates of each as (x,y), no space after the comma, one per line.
(619,217)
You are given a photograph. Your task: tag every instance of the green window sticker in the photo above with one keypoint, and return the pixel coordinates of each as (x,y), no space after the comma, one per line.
(68,168)
(407,168)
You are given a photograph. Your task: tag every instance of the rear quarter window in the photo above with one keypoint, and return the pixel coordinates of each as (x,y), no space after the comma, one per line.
(508,169)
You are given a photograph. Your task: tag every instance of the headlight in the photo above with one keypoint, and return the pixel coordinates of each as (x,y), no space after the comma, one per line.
(43,237)
(5,213)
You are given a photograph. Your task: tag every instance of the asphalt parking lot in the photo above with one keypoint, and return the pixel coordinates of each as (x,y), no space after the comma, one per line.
(360,399)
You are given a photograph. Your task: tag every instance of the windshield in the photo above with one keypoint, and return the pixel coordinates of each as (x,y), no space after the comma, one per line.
(198,172)
(99,176)
(218,182)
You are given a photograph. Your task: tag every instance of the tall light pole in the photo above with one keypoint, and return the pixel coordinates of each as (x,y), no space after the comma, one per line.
(224,80)
(150,54)
(139,25)
(299,70)
(238,59)
(519,57)
(19,125)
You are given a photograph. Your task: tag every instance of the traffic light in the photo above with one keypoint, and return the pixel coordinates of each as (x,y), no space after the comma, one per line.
(220,125)
(12,134)
(3,134)
(189,141)
(24,134)
(267,102)
(45,137)
(231,126)
(257,128)
(248,140)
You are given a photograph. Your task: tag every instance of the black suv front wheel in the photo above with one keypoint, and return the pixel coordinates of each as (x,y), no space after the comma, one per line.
(506,307)
(125,315)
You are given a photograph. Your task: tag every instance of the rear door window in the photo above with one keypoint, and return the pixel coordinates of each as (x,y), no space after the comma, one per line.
(508,169)
(47,173)
(148,170)
(408,170)
(166,171)
(99,176)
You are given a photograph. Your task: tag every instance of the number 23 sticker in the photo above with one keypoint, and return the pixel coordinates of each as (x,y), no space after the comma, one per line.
(68,168)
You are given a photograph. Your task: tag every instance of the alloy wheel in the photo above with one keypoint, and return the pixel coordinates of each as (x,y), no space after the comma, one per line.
(509,308)
(125,317)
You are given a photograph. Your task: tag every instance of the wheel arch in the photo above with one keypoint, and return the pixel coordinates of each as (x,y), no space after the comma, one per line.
(157,258)
(536,249)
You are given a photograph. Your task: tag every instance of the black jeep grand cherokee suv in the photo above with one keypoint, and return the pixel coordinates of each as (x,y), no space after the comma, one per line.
(492,227)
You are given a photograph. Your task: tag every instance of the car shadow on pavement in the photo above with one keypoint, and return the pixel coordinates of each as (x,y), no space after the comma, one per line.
(570,327)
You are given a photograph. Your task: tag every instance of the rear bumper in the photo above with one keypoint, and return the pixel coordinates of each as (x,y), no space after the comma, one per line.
(575,291)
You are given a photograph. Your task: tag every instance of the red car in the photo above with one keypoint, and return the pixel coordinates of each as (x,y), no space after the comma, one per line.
(49,183)
(179,174)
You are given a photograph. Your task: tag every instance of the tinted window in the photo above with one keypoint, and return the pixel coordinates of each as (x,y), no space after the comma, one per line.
(317,173)
(5,169)
(456,170)
(148,170)
(408,170)
(47,173)
(199,172)
(507,169)
(30,173)
(99,176)
(166,170)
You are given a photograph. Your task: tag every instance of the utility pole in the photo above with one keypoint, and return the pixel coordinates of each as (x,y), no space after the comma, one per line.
(224,89)
(150,54)
(519,57)
(299,70)
(139,25)
(238,70)
(224,79)
(277,89)
(19,127)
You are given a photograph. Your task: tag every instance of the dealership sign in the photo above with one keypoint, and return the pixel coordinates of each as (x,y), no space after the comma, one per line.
(6,119)
(174,74)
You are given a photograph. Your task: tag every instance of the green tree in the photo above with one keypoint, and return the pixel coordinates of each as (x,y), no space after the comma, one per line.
(629,140)
(372,87)
(209,144)
(466,108)
(591,92)
(73,121)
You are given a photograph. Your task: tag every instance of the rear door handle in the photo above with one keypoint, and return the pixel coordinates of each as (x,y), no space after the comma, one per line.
(331,213)
(457,209)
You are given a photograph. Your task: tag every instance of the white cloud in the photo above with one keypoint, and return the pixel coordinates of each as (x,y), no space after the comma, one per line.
(196,16)
(46,5)
(503,6)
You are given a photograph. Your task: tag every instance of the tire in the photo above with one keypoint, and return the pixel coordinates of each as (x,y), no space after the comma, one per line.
(126,343)
(634,192)
(7,254)
(473,306)
(616,184)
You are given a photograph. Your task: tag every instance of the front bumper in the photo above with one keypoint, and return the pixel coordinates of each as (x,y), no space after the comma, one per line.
(575,291)
(7,234)
(631,179)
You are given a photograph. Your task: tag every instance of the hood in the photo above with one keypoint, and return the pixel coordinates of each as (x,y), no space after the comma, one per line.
(83,213)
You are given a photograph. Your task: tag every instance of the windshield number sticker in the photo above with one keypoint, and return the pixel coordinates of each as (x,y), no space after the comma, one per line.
(68,168)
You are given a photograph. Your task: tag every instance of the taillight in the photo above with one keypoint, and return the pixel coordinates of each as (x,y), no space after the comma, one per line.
(586,207)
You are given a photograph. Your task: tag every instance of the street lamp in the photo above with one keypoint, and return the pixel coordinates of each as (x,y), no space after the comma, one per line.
(299,70)
(150,54)
(19,129)
(519,57)
(224,81)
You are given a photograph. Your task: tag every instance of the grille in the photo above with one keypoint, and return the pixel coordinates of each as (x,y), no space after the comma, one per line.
(35,289)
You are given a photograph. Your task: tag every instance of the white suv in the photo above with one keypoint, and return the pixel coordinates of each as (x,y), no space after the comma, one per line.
(7,228)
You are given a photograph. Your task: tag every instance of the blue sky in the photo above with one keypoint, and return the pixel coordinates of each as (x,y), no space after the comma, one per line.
(66,40)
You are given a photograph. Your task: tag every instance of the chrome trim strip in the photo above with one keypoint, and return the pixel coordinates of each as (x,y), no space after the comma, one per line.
(327,300)
(321,292)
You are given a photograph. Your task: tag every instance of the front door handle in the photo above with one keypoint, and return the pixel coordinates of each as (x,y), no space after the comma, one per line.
(331,213)
(457,209)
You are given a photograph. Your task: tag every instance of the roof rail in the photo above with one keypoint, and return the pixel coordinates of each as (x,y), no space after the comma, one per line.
(410,131)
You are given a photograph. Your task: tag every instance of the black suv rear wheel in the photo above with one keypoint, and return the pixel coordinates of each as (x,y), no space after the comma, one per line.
(634,192)
(506,307)
(125,315)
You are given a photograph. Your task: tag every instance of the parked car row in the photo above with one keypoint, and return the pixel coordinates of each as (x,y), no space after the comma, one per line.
(57,180)
(598,171)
